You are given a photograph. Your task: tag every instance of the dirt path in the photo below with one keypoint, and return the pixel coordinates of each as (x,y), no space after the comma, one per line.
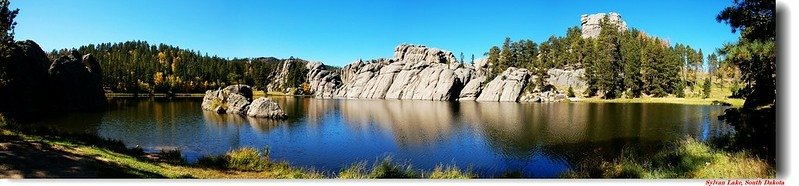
(28,159)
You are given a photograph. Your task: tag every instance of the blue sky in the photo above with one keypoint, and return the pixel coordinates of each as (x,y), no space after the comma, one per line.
(338,32)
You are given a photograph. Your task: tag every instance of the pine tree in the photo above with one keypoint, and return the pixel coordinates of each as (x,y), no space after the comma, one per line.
(608,64)
(505,55)
(706,87)
(493,62)
(7,25)
(461,58)
(472,60)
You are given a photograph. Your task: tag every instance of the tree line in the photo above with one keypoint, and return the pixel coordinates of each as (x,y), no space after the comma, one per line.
(136,66)
(617,62)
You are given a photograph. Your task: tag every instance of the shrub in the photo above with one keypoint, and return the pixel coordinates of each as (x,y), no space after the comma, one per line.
(389,169)
(688,158)
(243,159)
(246,159)
(354,171)
(171,156)
(386,168)
(450,172)
(706,88)
(570,92)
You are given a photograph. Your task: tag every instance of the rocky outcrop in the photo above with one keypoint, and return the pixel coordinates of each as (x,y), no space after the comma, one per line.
(30,82)
(591,27)
(234,99)
(24,83)
(79,84)
(237,99)
(421,73)
(323,82)
(472,89)
(415,72)
(265,108)
(285,80)
(507,86)
(562,79)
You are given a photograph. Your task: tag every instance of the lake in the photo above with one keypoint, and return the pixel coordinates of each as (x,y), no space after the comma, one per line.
(539,140)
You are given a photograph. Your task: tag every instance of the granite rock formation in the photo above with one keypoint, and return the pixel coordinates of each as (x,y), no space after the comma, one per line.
(590,24)
(562,79)
(421,73)
(415,72)
(265,108)
(323,82)
(506,87)
(284,80)
(237,99)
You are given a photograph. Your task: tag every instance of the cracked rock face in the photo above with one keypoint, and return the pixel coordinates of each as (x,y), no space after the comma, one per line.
(323,82)
(590,24)
(416,72)
(563,79)
(421,73)
(506,87)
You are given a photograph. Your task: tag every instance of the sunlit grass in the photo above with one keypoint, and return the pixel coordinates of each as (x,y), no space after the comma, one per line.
(388,168)
(672,100)
(451,172)
(689,158)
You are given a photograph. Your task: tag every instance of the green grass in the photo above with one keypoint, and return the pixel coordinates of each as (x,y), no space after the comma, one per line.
(388,168)
(689,158)
(671,100)
(128,163)
(450,172)
(243,159)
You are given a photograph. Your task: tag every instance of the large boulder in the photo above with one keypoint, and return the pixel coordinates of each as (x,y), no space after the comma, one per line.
(30,82)
(234,99)
(237,99)
(507,86)
(265,108)
(79,87)
(24,82)
(472,89)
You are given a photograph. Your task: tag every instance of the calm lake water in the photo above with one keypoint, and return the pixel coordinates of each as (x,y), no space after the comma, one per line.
(536,139)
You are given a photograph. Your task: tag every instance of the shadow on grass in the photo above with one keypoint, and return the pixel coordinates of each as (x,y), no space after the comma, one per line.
(31,159)
(36,159)
(687,158)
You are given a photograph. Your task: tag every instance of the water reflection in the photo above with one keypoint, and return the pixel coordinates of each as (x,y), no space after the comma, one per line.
(540,140)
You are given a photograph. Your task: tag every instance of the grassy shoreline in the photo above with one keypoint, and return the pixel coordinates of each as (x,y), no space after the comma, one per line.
(686,158)
(670,100)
